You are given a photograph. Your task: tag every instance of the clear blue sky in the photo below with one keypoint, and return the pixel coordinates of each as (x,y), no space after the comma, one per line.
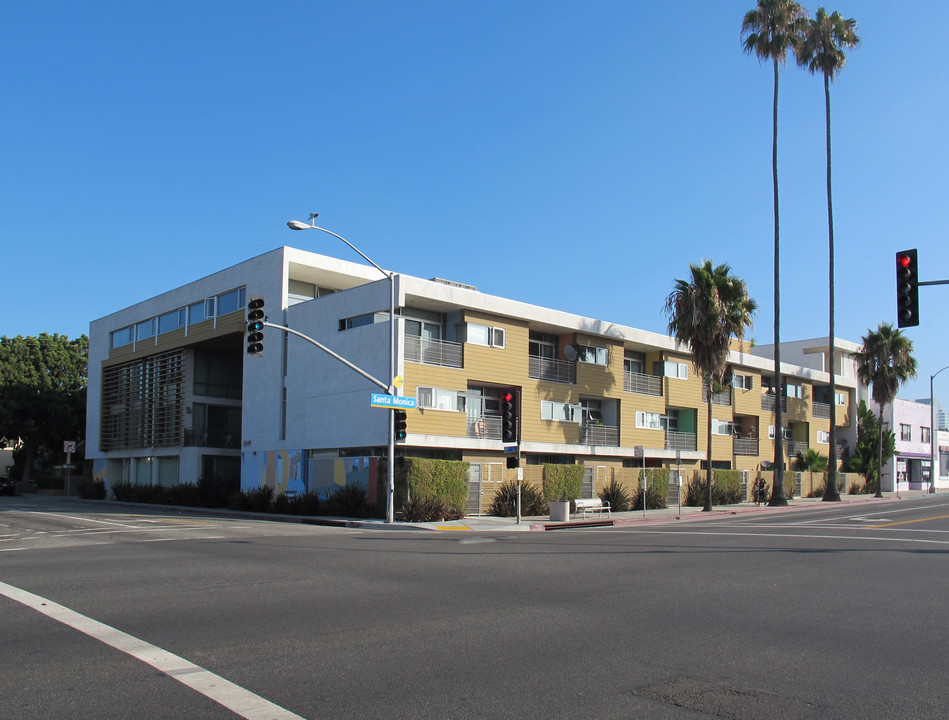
(575,155)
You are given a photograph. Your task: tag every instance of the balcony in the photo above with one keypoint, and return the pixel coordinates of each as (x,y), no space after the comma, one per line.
(722,397)
(599,435)
(211,437)
(745,446)
(821,410)
(767,403)
(551,370)
(796,446)
(433,352)
(680,441)
(485,427)
(634,382)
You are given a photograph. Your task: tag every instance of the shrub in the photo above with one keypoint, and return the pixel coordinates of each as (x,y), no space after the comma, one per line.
(185,494)
(441,481)
(308,503)
(655,500)
(615,494)
(352,500)
(92,489)
(562,482)
(857,488)
(532,500)
(260,499)
(726,489)
(215,490)
(427,510)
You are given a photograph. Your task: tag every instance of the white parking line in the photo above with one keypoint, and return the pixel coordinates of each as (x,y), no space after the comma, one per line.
(235,698)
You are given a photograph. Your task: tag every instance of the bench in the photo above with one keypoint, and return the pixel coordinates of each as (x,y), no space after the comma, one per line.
(593,505)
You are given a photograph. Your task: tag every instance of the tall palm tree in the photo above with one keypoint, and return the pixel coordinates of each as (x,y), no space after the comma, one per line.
(768,31)
(822,50)
(705,312)
(885,361)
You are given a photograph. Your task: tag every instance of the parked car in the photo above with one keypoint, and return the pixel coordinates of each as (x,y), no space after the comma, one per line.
(7,486)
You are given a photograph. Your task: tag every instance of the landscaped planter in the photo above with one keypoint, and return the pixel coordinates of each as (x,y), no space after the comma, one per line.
(560,510)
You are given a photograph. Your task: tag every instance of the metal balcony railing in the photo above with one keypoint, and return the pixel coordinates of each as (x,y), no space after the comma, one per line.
(551,370)
(796,446)
(821,410)
(680,440)
(599,435)
(485,427)
(722,397)
(745,446)
(767,403)
(433,352)
(634,382)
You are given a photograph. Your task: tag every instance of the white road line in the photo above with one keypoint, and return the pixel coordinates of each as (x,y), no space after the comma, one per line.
(235,698)
(81,519)
(788,535)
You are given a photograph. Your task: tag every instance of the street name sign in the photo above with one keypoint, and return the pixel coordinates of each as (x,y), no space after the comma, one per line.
(392,401)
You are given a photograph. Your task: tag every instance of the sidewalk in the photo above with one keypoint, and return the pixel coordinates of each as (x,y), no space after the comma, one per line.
(490,523)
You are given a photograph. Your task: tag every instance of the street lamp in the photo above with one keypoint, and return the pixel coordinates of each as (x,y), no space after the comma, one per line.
(934,465)
(390,470)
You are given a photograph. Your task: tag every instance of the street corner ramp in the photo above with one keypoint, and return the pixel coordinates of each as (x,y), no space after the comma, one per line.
(726,701)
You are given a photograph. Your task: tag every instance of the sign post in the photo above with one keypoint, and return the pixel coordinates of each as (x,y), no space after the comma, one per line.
(69,447)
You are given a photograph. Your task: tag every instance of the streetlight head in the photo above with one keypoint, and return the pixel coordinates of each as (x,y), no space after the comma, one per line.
(297,225)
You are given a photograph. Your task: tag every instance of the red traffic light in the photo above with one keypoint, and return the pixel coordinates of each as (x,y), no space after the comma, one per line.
(507,397)
(904,260)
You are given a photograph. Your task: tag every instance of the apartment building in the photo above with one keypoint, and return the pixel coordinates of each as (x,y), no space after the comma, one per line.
(173,395)
(911,464)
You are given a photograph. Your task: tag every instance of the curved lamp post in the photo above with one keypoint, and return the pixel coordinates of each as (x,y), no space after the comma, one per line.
(390,469)
(934,459)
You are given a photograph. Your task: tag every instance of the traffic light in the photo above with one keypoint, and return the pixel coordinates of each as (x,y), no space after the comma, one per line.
(513,461)
(907,289)
(509,416)
(255,326)
(400,423)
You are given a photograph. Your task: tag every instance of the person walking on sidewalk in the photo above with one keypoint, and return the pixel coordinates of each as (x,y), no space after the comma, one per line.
(759,490)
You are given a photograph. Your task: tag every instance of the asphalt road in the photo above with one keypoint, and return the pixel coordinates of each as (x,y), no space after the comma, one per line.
(825,612)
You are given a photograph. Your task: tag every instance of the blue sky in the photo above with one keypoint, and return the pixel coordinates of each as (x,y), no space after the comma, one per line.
(575,155)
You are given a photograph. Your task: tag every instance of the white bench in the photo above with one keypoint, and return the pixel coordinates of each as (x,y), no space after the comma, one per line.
(593,505)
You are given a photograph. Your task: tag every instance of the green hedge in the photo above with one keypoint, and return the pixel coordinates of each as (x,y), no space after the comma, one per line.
(562,482)
(430,483)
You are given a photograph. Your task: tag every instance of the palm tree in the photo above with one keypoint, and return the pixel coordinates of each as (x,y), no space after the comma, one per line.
(768,31)
(822,50)
(705,312)
(885,361)
(811,461)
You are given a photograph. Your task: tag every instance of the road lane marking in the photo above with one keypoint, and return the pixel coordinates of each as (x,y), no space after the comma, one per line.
(785,536)
(907,522)
(233,697)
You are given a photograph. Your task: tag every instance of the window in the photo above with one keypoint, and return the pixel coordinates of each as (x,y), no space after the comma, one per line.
(361,320)
(484,335)
(792,390)
(230,302)
(823,437)
(924,435)
(299,291)
(648,420)
(722,427)
(906,432)
(200,311)
(171,321)
(841,398)
(542,345)
(593,355)
(634,362)
(433,398)
(671,369)
(670,421)
(564,412)
(145,329)
(771,432)
(742,382)
(122,337)
(592,412)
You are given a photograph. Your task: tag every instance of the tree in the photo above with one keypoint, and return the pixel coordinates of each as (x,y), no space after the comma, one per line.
(885,361)
(768,31)
(42,393)
(822,50)
(705,312)
(811,461)
(867,454)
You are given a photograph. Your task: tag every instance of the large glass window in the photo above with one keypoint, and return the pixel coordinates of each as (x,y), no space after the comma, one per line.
(434,398)
(484,335)
(635,362)
(299,291)
(593,355)
(564,412)
(200,311)
(122,337)
(542,345)
(230,302)
(145,329)
(648,420)
(171,321)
